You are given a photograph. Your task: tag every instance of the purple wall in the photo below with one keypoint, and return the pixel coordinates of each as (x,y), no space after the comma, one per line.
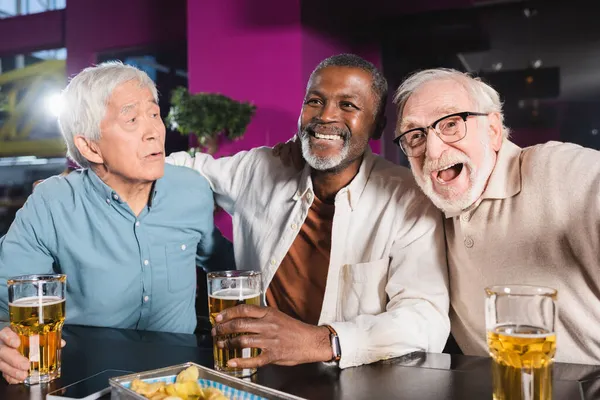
(32,32)
(232,53)
(96,26)
(264,56)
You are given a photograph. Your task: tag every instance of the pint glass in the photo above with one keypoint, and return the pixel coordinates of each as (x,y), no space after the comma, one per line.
(225,290)
(521,336)
(36,305)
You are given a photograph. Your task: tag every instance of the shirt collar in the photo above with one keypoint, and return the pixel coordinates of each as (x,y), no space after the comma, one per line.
(352,192)
(110,195)
(505,179)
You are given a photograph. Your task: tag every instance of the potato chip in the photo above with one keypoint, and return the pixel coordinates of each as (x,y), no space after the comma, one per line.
(189,374)
(186,387)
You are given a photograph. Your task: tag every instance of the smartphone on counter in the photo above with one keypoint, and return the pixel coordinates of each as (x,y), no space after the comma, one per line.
(90,388)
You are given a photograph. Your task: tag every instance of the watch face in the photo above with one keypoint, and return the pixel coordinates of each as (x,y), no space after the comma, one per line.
(335,345)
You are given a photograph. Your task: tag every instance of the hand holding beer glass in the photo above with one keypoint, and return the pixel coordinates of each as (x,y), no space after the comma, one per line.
(36,305)
(521,336)
(225,290)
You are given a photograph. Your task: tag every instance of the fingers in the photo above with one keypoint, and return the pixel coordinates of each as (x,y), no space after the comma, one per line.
(12,374)
(253,362)
(13,365)
(240,325)
(244,342)
(13,358)
(277,149)
(9,338)
(241,311)
(296,155)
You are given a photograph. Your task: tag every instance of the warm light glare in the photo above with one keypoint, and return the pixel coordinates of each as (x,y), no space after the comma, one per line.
(54,104)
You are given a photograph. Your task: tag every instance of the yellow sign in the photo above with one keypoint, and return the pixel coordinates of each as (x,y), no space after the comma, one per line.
(27,127)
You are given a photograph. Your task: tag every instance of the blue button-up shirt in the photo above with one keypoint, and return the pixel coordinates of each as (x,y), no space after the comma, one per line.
(122,271)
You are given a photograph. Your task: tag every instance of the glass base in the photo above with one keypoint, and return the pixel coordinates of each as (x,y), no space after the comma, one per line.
(237,372)
(35,378)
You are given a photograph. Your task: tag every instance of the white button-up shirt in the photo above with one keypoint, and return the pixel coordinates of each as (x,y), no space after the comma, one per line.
(387,285)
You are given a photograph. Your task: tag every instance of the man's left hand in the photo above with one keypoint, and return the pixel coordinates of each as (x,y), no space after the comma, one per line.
(282,339)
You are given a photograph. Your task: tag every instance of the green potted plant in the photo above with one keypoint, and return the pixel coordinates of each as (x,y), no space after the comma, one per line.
(208,115)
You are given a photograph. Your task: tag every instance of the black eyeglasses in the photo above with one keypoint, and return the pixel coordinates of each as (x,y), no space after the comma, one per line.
(450,129)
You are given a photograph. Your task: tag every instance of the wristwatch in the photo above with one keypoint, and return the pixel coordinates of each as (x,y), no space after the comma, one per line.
(335,344)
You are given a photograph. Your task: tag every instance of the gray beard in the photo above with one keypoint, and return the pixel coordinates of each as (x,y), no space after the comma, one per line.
(322,163)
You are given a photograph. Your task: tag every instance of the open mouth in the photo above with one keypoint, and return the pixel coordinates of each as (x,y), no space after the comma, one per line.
(448,174)
(326,136)
(155,155)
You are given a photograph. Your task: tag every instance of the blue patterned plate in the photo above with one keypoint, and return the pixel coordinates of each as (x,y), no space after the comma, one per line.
(228,391)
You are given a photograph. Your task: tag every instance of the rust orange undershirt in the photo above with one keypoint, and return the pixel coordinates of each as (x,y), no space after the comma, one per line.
(298,287)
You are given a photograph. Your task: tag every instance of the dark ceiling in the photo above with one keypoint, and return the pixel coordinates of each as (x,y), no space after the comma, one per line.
(474,34)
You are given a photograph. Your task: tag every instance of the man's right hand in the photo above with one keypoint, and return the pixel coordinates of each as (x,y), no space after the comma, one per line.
(13,365)
(290,153)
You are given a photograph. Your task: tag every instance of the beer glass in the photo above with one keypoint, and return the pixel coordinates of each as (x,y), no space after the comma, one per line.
(225,290)
(521,336)
(36,305)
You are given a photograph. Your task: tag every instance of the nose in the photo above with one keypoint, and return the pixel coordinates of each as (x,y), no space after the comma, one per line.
(435,145)
(154,129)
(329,112)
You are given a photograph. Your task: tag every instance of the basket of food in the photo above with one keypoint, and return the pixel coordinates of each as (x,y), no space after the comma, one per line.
(189,381)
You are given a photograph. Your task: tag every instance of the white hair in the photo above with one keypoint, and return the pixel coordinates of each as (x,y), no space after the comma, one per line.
(85,99)
(484,97)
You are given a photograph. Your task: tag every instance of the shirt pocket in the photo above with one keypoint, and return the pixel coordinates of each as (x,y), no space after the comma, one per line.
(181,265)
(362,289)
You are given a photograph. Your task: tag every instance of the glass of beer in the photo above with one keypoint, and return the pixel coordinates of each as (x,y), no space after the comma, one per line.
(521,336)
(225,290)
(36,305)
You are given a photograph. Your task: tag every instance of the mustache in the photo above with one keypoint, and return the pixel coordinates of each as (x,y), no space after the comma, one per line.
(444,161)
(325,129)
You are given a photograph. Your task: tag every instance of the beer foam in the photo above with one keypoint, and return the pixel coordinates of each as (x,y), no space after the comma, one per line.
(513,331)
(528,335)
(35,301)
(235,294)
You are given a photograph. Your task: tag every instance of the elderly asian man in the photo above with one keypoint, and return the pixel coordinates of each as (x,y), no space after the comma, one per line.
(120,228)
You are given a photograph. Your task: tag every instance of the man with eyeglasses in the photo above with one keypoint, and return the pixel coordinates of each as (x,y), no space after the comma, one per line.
(512,215)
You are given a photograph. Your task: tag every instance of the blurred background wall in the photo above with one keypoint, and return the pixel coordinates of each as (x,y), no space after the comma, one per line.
(543,57)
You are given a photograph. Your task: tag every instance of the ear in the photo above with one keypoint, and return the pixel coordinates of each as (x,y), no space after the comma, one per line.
(495,131)
(89,149)
(379,127)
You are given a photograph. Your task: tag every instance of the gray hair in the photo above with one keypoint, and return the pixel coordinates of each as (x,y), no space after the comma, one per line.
(379,86)
(484,97)
(85,99)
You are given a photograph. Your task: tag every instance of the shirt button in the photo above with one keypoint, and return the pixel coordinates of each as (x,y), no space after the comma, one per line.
(115,196)
(146,262)
(294,226)
(469,242)
(137,223)
(308,196)
(146,298)
(107,201)
(183,247)
(465,217)
(273,262)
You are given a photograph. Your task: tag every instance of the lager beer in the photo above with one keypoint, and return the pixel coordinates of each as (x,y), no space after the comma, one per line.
(218,302)
(226,290)
(38,324)
(521,336)
(37,314)
(522,355)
